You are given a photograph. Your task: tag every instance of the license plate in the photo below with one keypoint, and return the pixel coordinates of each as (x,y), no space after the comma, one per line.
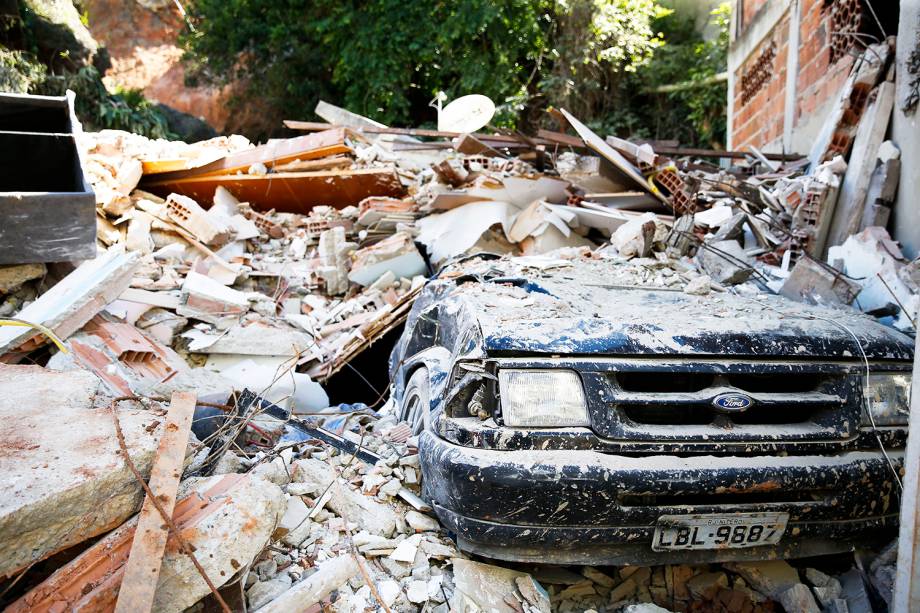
(729,531)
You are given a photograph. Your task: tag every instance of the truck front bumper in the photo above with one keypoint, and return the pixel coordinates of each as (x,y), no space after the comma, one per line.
(585,507)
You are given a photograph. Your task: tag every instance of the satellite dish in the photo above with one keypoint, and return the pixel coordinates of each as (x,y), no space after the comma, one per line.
(465,114)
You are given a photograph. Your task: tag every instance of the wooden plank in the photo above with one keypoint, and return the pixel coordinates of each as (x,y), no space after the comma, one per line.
(848,212)
(152,167)
(561,138)
(139,584)
(290,192)
(308,147)
(547,137)
(336,161)
(907,569)
(307,126)
(718,153)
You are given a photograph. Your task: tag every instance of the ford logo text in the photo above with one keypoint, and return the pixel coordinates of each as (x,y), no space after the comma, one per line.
(732,403)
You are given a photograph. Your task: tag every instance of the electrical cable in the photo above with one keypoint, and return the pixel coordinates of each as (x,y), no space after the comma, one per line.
(878,438)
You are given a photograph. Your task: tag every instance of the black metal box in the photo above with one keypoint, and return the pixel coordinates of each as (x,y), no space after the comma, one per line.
(47,207)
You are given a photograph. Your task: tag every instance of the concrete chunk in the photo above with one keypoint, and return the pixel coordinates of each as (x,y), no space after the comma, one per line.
(422,523)
(373,516)
(227,520)
(485,585)
(812,283)
(396,254)
(330,576)
(771,577)
(725,262)
(64,479)
(798,598)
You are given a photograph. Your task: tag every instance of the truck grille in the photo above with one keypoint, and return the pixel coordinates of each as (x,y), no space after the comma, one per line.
(638,381)
(662,415)
(675,402)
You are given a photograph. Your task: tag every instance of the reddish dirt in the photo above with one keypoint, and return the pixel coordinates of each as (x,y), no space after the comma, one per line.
(145,55)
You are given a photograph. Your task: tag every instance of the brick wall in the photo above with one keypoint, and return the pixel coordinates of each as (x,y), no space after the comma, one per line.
(759,90)
(818,80)
(749,9)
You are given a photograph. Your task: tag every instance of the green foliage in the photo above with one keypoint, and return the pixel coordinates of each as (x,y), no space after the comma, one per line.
(695,114)
(388,58)
(95,106)
(19,72)
(23,70)
(99,109)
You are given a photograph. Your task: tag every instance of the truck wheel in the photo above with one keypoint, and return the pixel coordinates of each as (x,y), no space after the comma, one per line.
(415,403)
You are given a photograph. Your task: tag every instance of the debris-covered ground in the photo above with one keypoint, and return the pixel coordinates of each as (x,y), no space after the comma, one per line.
(253,275)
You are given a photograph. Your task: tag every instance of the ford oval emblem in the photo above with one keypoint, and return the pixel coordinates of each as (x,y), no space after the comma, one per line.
(732,402)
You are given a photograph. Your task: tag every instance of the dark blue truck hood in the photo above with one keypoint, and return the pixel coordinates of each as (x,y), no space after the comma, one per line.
(585,309)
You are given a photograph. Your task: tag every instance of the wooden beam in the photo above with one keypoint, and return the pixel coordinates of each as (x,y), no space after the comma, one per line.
(718,153)
(290,192)
(873,125)
(548,138)
(139,583)
(307,147)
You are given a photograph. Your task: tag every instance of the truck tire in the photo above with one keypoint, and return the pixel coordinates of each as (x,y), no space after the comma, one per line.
(415,404)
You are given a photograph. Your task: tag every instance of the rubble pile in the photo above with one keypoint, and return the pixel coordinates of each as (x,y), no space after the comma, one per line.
(250,275)
(307,523)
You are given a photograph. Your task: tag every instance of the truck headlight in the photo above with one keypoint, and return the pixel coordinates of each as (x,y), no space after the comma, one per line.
(888,398)
(548,398)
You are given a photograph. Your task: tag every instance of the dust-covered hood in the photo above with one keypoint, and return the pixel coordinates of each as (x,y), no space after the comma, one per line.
(588,310)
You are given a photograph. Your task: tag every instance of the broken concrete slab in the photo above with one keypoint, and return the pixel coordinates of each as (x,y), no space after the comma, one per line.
(227,520)
(210,301)
(248,340)
(73,301)
(814,283)
(65,480)
(396,254)
(485,585)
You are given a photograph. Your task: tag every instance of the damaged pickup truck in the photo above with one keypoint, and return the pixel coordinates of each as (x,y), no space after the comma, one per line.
(589,411)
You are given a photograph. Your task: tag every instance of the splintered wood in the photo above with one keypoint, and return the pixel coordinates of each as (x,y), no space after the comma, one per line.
(139,583)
